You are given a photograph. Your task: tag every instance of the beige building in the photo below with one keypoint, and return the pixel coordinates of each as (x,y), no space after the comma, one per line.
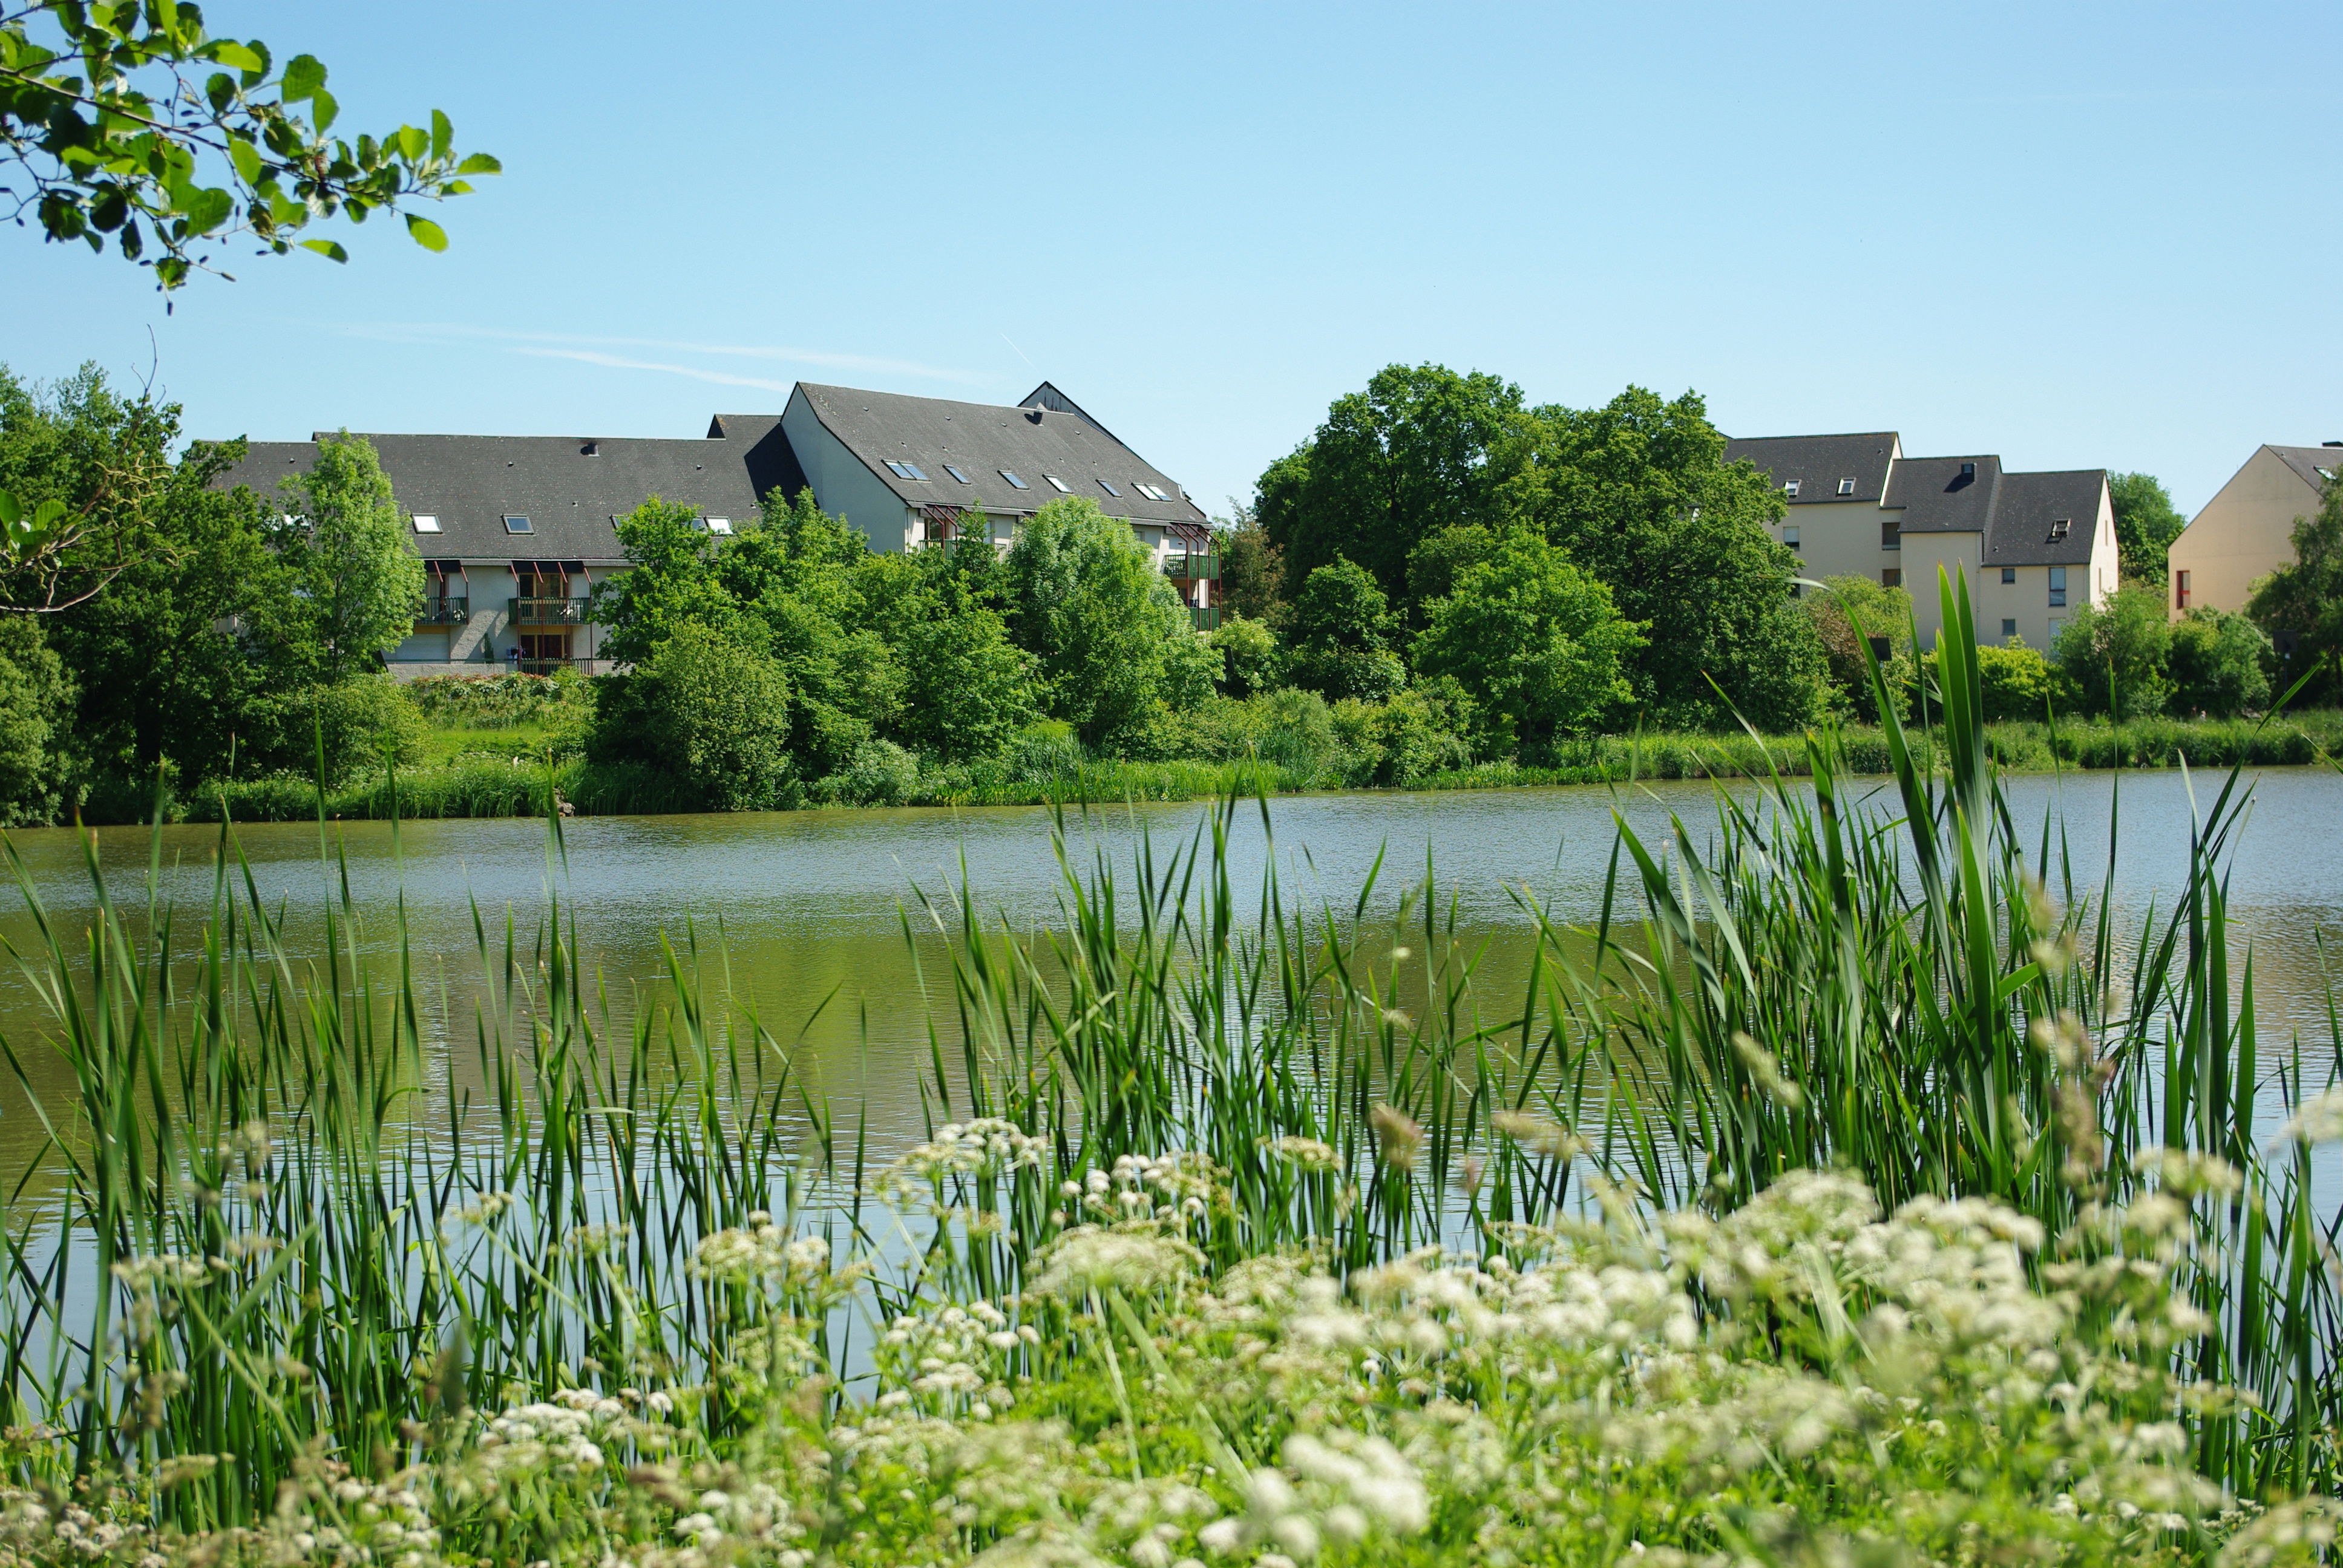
(2246,530)
(2035,547)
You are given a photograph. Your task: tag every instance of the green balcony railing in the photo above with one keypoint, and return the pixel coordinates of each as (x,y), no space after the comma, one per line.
(549,611)
(1193,567)
(443,611)
(1207,617)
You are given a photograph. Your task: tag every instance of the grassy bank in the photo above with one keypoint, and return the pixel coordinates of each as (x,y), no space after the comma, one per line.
(1873,1209)
(497,773)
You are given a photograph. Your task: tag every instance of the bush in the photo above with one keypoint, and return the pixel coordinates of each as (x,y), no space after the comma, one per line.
(1044,751)
(1847,612)
(2111,658)
(1534,639)
(503,701)
(361,726)
(2014,682)
(1342,629)
(2220,663)
(1419,734)
(967,689)
(1251,660)
(35,712)
(881,774)
(712,713)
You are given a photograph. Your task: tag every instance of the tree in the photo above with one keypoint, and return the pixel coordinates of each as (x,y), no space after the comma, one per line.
(2013,683)
(37,760)
(1252,569)
(1534,642)
(2112,656)
(2300,606)
(355,582)
(1848,612)
(1443,556)
(2219,663)
(2147,522)
(1340,630)
(130,120)
(1251,660)
(1117,651)
(1639,492)
(708,709)
(1412,453)
(971,690)
(80,468)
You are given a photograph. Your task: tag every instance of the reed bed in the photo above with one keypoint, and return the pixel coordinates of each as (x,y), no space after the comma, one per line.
(1836,1196)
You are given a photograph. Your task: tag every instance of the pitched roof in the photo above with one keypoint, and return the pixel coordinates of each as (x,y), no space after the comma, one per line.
(2308,462)
(2026,513)
(570,487)
(1818,463)
(1945,495)
(980,439)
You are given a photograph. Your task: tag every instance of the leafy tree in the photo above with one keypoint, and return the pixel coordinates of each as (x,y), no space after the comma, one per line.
(1847,612)
(1412,453)
(1117,649)
(2300,606)
(2220,663)
(1252,569)
(674,582)
(130,120)
(2112,656)
(707,708)
(970,689)
(36,759)
(2013,682)
(1341,631)
(1535,642)
(355,728)
(80,468)
(1639,492)
(1445,554)
(1251,660)
(355,582)
(1421,731)
(2147,522)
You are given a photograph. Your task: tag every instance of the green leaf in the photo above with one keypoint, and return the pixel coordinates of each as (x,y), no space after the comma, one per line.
(413,143)
(480,164)
(329,248)
(246,159)
(228,52)
(322,109)
(9,511)
(427,235)
(304,76)
(204,210)
(443,135)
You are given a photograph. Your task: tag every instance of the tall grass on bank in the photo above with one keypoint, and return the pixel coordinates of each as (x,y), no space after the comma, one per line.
(286,1241)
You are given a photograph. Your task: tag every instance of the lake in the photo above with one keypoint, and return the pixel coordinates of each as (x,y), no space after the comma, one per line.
(810,907)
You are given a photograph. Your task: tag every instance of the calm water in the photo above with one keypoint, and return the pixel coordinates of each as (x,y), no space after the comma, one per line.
(811,906)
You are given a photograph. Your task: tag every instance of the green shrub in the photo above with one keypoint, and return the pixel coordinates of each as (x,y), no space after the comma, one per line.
(1251,660)
(2015,681)
(709,711)
(2111,658)
(35,714)
(1044,751)
(882,773)
(362,727)
(2220,663)
(502,701)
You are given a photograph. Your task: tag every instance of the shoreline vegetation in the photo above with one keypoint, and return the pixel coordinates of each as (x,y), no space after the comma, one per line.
(1855,1194)
(467,781)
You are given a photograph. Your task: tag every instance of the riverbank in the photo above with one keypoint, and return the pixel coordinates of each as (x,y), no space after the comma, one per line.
(467,783)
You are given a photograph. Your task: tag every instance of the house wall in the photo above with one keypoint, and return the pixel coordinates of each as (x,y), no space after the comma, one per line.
(488,641)
(2245,533)
(843,485)
(1922,554)
(1839,538)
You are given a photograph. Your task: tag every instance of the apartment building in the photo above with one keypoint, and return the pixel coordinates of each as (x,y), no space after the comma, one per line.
(2246,530)
(513,531)
(2034,547)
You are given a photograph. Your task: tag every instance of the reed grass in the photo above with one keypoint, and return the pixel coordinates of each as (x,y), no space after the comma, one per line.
(286,1236)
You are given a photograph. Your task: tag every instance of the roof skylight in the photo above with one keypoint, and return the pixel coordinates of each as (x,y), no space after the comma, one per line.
(1151,492)
(904,470)
(1014,479)
(1790,488)
(956,474)
(1058,485)
(720,525)
(1846,486)
(425,523)
(519,525)
(1107,486)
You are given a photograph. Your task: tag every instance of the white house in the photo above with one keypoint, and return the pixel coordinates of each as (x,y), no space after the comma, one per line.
(2246,530)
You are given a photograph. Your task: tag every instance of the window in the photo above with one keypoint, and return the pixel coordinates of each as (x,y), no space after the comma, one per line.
(1968,470)
(1790,536)
(904,470)
(720,525)
(2059,528)
(2057,625)
(1846,486)
(519,525)
(1891,577)
(2008,575)
(1107,486)
(2180,590)
(1791,490)
(2009,627)
(1152,492)
(1014,479)
(2058,587)
(1058,485)
(1891,533)
(426,524)
(957,474)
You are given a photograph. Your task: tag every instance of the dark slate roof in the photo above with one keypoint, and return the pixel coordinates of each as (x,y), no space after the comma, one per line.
(1938,497)
(982,438)
(2306,461)
(1819,462)
(1047,395)
(2030,505)
(470,483)
(772,466)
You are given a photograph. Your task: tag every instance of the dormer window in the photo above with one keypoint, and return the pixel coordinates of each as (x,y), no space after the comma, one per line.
(1846,486)
(1968,470)
(720,525)
(1790,488)
(2059,528)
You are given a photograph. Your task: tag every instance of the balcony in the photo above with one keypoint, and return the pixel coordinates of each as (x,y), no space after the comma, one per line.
(549,611)
(1207,617)
(1193,567)
(582,665)
(443,612)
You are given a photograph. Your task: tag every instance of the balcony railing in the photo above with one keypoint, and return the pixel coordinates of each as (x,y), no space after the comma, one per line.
(443,612)
(1199,567)
(1207,617)
(581,664)
(549,611)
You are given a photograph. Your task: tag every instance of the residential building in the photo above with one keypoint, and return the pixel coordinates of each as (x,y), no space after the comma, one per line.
(2035,547)
(516,531)
(2246,530)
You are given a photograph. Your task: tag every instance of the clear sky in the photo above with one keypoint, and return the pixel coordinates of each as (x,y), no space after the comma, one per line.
(2078,237)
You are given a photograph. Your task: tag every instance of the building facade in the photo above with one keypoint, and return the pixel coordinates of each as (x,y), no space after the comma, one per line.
(513,531)
(2246,530)
(2034,547)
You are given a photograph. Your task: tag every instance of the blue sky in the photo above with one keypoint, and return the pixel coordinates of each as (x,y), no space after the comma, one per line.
(2078,237)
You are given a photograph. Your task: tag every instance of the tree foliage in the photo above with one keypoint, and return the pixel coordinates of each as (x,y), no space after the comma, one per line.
(2300,605)
(354,583)
(2147,522)
(129,120)
(2112,656)
(709,709)
(1252,568)
(1535,642)
(1847,613)
(1341,633)
(2220,663)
